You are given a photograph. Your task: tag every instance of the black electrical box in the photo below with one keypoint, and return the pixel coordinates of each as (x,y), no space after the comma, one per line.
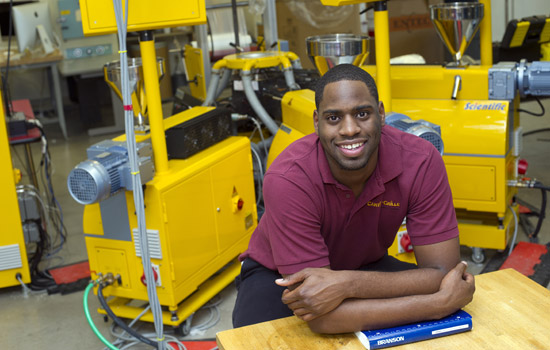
(192,136)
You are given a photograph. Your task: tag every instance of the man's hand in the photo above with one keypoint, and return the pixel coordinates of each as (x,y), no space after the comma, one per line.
(457,288)
(313,292)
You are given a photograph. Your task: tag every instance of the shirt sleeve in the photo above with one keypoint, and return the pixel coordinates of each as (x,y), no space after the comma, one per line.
(431,217)
(293,225)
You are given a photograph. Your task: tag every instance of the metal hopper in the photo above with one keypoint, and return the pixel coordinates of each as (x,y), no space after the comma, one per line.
(327,51)
(456,24)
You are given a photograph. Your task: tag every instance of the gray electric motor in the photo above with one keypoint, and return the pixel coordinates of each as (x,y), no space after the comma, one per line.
(107,171)
(505,78)
(421,128)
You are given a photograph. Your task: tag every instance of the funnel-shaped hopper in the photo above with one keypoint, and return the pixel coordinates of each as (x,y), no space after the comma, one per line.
(112,74)
(327,51)
(456,24)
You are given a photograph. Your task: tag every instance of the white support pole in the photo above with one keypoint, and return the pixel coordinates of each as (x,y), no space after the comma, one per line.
(271,36)
(202,40)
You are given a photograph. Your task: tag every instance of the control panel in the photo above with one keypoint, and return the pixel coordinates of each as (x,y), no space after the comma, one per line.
(88,51)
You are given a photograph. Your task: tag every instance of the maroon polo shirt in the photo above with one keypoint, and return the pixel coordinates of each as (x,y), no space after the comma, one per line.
(312,220)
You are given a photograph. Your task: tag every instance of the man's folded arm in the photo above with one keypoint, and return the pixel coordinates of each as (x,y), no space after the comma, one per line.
(352,315)
(314,292)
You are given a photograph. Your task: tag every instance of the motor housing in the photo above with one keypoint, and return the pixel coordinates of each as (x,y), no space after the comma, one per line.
(107,171)
(421,128)
(505,78)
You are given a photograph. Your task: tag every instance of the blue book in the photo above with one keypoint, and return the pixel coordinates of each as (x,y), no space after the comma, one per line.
(460,321)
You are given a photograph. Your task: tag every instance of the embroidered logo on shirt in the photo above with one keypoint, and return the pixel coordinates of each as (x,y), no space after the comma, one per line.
(379,204)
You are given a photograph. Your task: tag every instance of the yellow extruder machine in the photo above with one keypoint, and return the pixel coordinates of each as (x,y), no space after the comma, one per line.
(14,265)
(199,188)
(469,112)
(200,206)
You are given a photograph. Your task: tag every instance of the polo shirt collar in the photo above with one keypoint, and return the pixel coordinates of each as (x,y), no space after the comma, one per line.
(389,164)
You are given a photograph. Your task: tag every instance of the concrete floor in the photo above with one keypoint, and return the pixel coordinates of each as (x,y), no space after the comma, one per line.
(41,321)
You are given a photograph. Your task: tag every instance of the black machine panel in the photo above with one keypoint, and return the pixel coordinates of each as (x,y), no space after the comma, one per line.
(190,137)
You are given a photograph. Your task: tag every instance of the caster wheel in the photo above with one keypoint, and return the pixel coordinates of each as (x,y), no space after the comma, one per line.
(478,256)
(184,328)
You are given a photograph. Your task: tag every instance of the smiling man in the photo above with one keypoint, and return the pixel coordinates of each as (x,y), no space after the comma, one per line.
(334,201)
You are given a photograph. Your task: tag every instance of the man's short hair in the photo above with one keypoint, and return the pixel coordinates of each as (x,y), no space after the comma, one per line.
(344,72)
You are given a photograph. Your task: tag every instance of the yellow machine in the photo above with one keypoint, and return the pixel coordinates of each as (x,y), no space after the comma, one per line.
(13,253)
(200,208)
(479,123)
(199,218)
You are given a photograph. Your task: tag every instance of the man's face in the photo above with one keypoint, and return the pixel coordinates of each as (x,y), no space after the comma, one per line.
(348,123)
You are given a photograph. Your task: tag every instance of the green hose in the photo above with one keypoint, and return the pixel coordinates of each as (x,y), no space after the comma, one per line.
(89,318)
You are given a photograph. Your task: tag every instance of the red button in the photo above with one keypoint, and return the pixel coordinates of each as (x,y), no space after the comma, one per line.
(522,166)
(155,276)
(406,243)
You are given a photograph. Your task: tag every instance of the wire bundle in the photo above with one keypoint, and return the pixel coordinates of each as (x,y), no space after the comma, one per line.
(40,280)
(54,211)
(122,22)
(129,336)
(50,225)
(5,90)
(212,320)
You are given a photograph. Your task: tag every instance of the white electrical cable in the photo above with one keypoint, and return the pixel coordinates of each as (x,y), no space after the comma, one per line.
(124,336)
(26,290)
(260,180)
(122,22)
(513,242)
(259,160)
(125,341)
(213,317)
(257,123)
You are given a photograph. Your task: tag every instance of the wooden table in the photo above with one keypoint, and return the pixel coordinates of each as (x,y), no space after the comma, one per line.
(509,311)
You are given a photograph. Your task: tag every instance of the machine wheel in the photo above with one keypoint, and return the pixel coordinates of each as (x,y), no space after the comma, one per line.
(184,328)
(478,256)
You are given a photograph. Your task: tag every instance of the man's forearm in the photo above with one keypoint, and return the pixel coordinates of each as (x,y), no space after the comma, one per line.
(315,292)
(456,290)
(361,314)
(319,291)
(372,284)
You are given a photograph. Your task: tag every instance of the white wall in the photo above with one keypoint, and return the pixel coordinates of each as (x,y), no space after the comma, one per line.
(517,9)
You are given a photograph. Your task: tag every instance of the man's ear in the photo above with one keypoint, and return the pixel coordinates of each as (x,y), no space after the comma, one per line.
(316,121)
(382,112)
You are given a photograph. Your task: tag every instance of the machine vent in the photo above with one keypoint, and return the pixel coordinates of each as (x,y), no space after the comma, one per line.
(114,176)
(192,136)
(154,243)
(10,257)
(421,128)
(434,139)
(83,186)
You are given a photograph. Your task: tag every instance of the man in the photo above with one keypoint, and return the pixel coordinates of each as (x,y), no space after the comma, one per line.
(334,201)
